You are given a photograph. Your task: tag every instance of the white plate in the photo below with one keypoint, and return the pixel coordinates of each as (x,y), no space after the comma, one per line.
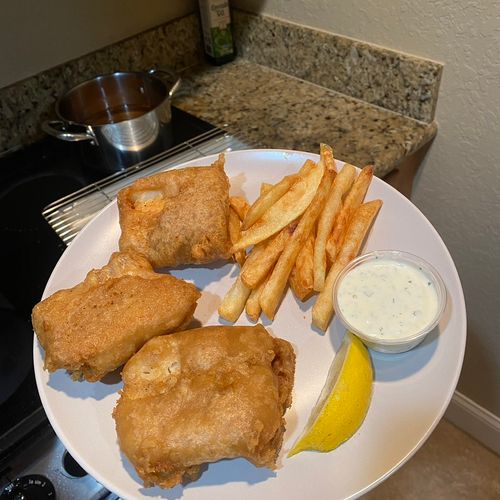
(411,391)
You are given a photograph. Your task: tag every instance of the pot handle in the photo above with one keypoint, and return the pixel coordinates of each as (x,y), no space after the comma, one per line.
(56,128)
(161,73)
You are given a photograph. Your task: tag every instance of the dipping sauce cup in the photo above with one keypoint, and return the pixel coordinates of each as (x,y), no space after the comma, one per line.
(390,299)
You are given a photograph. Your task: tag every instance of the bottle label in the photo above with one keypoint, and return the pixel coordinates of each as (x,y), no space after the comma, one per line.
(216,23)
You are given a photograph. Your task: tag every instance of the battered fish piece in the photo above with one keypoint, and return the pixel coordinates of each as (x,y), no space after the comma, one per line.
(203,395)
(177,217)
(96,326)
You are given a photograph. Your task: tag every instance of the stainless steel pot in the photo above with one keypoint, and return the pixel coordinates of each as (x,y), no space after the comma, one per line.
(126,115)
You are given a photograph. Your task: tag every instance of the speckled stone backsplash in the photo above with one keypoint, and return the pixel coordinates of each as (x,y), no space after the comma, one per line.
(273,110)
(395,81)
(26,104)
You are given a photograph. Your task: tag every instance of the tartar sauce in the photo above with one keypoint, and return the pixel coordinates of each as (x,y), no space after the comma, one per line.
(387,298)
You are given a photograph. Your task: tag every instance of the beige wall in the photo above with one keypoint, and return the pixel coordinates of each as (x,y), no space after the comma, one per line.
(36,35)
(459,184)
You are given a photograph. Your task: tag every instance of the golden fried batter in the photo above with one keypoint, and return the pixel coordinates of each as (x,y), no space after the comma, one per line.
(203,395)
(177,217)
(96,326)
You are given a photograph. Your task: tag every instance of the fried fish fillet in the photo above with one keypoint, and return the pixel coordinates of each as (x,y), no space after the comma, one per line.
(96,326)
(203,395)
(177,217)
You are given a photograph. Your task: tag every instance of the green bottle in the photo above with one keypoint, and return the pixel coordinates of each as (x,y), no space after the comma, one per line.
(217,31)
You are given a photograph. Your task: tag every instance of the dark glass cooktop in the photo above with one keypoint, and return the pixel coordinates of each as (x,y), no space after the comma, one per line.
(30,179)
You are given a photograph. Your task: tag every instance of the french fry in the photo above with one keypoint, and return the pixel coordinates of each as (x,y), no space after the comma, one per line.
(252,307)
(275,193)
(331,247)
(306,168)
(290,206)
(240,206)
(352,201)
(265,187)
(301,277)
(234,226)
(268,199)
(326,153)
(273,291)
(356,232)
(254,255)
(258,268)
(234,301)
(341,184)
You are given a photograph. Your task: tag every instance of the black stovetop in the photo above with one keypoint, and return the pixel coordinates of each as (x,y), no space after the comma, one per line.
(30,179)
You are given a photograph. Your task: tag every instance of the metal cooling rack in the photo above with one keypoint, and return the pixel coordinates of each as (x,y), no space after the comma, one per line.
(68,215)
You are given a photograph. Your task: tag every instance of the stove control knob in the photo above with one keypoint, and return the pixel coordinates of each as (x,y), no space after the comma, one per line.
(32,487)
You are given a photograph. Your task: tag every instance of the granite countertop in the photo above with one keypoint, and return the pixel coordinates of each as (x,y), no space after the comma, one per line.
(270,109)
(291,87)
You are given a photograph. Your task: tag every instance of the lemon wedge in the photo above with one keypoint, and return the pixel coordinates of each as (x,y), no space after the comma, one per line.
(343,402)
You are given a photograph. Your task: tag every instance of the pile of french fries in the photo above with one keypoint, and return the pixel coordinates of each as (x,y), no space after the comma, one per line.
(301,231)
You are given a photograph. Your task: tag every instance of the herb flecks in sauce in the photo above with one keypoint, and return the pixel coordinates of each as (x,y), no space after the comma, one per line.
(394,299)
